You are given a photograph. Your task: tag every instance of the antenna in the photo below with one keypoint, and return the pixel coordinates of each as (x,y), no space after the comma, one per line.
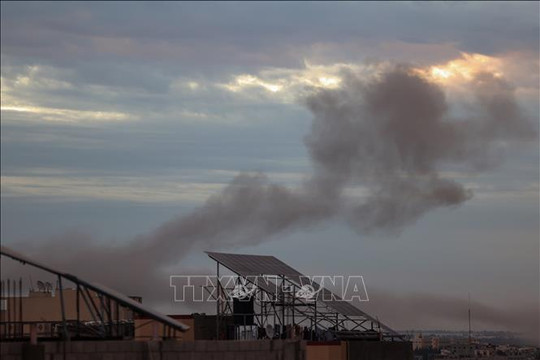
(41,286)
(469,318)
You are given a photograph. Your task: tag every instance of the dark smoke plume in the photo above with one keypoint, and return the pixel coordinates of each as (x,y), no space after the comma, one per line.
(390,135)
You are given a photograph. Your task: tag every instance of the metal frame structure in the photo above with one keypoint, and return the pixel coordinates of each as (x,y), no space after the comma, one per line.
(103,303)
(275,287)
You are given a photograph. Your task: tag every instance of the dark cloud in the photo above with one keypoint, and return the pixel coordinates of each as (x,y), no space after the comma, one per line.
(497,100)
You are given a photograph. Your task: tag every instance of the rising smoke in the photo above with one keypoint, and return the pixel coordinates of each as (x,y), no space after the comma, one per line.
(390,135)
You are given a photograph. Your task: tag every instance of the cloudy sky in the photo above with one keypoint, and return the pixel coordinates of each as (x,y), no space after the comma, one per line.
(126,123)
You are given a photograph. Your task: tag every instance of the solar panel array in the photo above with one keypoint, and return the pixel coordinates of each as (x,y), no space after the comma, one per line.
(253,265)
(256,265)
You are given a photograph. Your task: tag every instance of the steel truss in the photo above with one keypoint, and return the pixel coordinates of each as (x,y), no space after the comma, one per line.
(103,304)
(287,310)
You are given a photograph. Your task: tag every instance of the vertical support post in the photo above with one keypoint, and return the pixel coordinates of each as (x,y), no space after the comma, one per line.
(63,308)
(274,313)
(15,322)
(8,307)
(88,305)
(33,333)
(109,310)
(155,331)
(78,309)
(14,305)
(117,311)
(315,317)
(218,300)
(470,340)
(293,308)
(21,326)
(283,322)
(14,310)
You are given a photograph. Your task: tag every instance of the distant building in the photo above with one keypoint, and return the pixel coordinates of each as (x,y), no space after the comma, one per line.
(418,342)
(473,351)
(44,308)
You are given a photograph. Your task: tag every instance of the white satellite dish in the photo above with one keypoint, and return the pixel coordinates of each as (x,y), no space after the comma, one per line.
(270,331)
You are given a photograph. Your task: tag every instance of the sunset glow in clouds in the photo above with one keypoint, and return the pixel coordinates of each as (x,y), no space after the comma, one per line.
(465,68)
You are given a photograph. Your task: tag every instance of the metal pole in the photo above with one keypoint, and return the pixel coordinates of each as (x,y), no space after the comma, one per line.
(109,308)
(78,305)
(21,326)
(117,311)
(89,306)
(97,310)
(64,324)
(283,323)
(293,308)
(218,300)
(469,319)
(315,318)
(9,307)
(14,302)
(274,313)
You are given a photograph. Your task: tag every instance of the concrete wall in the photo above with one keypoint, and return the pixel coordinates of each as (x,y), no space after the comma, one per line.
(379,350)
(159,350)
(40,306)
(326,350)
(201,327)
(207,350)
(144,330)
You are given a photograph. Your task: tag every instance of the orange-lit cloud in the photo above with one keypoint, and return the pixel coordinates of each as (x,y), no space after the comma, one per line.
(455,74)
(463,69)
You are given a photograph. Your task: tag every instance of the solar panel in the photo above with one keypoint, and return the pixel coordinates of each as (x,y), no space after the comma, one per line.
(255,265)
